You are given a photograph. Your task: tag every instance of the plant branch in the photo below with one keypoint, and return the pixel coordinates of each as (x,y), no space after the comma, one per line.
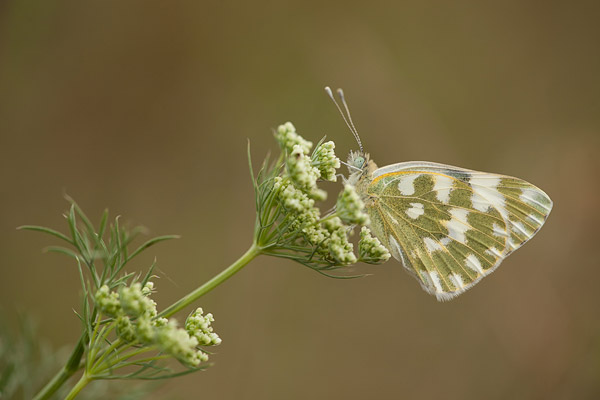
(185,301)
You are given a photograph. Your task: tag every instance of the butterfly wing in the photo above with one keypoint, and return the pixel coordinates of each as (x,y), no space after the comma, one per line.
(450,226)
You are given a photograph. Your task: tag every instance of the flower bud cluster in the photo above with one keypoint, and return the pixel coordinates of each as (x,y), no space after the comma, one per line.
(288,138)
(328,237)
(340,249)
(199,326)
(370,249)
(136,320)
(303,174)
(290,225)
(350,208)
(303,234)
(325,160)
(305,169)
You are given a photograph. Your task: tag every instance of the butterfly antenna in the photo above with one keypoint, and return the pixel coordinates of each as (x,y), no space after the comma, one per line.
(340,93)
(348,124)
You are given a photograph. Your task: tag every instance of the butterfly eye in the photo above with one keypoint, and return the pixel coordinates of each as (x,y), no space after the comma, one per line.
(359,162)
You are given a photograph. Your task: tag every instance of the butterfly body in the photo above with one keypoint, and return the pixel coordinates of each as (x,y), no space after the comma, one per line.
(448,226)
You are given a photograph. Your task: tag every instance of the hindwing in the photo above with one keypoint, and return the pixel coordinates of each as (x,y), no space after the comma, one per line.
(450,226)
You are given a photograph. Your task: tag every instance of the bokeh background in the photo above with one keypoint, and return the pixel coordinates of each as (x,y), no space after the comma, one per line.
(146,107)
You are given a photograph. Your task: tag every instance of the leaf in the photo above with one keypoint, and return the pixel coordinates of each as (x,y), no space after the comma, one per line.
(86,221)
(46,230)
(103,221)
(151,242)
(61,250)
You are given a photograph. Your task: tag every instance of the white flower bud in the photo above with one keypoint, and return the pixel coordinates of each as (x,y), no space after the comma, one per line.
(303,174)
(148,288)
(325,160)
(178,343)
(199,327)
(288,138)
(340,249)
(135,303)
(350,207)
(370,249)
(144,330)
(108,301)
(125,328)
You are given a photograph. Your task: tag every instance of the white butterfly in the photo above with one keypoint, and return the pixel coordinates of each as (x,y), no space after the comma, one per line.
(449,226)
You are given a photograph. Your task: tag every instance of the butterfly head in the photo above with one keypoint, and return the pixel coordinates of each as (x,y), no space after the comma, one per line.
(357,160)
(360,162)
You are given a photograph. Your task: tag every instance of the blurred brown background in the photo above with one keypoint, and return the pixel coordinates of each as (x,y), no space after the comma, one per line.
(145,108)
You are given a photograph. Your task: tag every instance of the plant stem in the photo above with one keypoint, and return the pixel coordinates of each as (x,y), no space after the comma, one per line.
(185,301)
(65,372)
(73,365)
(83,381)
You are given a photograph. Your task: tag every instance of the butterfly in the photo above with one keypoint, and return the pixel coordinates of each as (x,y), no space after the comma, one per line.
(448,226)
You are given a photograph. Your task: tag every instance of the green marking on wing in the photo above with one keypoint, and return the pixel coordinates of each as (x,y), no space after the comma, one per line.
(528,208)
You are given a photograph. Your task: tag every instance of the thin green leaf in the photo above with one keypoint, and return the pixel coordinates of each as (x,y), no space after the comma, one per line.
(79,316)
(119,244)
(73,226)
(122,280)
(149,378)
(149,273)
(61,250)
(81,277)
(103,222)
(338,276)
(46,230)
(124,243)
(86,221)
(151,242)
(251,169)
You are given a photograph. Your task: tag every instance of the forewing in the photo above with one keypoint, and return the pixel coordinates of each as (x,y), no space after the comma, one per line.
(450,226)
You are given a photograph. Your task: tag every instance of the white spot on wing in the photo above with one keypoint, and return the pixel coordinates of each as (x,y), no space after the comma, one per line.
(443,186)
(395,248)
(416,210)
(445,241)
(432,245)
(488,181)
(436,281)
(520,228)
(456,280)
(391,217)
(486,195)
(480,203)
(499,231)
(406,184)
(533,197)
(473,262)
(492,251)
(497,200)
(458,225)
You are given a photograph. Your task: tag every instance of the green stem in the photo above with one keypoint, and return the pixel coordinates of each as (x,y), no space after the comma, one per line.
(65,372)
(73,365)
(185,301)
(83,381)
